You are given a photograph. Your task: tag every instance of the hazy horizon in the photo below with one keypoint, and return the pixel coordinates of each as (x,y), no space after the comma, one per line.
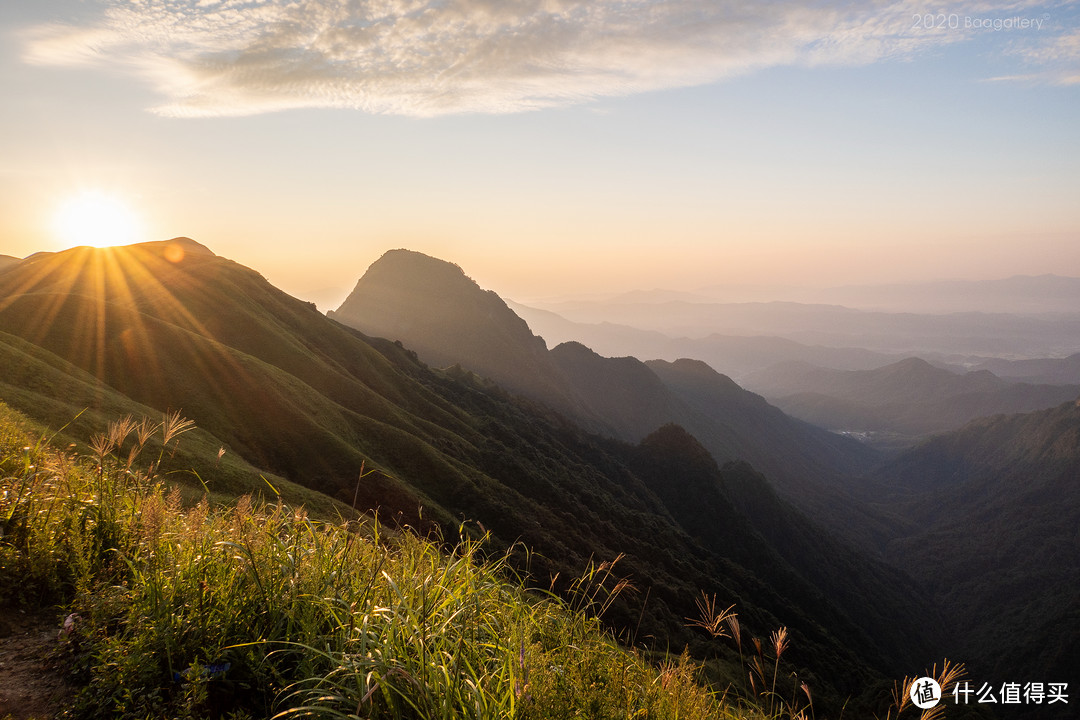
(329,298)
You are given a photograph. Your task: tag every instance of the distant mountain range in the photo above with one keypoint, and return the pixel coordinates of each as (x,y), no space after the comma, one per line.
(1019,294)
(968,333)
(740,356)
(906,399)
(1057,371)
(733,355)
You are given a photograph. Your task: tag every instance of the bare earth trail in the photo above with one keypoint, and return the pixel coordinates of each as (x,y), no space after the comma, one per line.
(31,684)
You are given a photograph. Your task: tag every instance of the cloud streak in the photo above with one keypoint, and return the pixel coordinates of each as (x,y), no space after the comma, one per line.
(1057,59)
(433,57)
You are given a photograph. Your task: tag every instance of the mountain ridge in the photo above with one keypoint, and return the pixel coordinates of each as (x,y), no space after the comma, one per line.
(623,397)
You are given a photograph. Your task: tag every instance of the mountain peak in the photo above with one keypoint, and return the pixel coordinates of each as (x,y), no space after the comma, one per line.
(185,242)
(435,309)
(418,270)
(174,250)
(914,366)
(686,372)
(575,349)
(674,440)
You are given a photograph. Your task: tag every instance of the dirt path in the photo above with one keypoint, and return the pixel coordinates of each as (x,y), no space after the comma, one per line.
(31,686)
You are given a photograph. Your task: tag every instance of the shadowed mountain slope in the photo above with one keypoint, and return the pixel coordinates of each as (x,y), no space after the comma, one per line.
(725,507)
(993,511)
(435,309)
(623,391)
(760,433)
(807,463)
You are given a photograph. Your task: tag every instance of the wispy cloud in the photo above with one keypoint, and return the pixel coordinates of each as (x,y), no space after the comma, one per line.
(431,57)
(1057,58)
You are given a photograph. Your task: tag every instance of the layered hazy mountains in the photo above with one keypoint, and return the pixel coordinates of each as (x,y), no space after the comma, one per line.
(880,561)
(902,401)
(939,510)
(432,307)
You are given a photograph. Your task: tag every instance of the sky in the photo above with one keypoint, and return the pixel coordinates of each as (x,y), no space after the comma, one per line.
(552,147)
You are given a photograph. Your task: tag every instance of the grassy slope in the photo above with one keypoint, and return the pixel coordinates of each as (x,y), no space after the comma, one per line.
(70,406)
(256,610)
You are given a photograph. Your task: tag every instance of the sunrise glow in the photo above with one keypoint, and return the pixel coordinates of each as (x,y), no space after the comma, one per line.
(97,219)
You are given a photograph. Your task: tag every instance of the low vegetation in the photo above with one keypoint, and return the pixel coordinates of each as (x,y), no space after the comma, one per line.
(176,608)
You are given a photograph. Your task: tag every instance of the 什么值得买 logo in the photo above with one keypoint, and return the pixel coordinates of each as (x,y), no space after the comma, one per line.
(925,693)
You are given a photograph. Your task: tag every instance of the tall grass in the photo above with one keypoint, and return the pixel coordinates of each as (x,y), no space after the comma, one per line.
(761,676)
(257,610)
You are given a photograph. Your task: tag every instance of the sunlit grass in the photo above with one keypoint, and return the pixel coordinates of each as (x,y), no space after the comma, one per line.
(256,609)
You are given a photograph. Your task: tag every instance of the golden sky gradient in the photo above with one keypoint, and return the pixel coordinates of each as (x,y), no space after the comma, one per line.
(556,147)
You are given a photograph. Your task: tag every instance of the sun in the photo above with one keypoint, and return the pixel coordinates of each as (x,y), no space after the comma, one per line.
(96,218)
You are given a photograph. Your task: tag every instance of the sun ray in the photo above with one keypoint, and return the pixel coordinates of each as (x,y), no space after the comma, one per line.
(121,303)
